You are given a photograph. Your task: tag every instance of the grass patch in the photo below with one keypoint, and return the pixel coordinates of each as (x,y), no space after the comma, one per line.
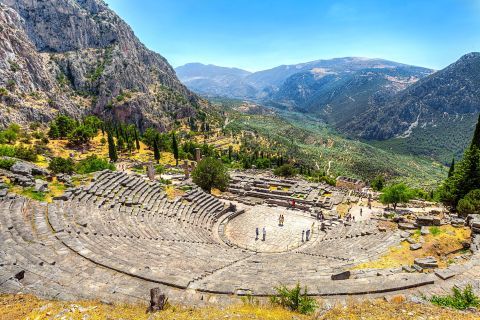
(459,299)
(435,231)
(13,307)
(35,195)
(447,239)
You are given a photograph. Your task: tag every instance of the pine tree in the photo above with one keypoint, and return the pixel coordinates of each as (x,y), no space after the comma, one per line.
(137,141)
(452,168)
(175,148)
(156,151)
(112,150)
(230,149)
(476,135)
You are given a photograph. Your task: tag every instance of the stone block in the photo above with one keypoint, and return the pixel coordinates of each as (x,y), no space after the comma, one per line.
(406,226)
(428,262)
(343,275)
(445,274)
(424,231)
(428,221)
(415,246)
(41,185)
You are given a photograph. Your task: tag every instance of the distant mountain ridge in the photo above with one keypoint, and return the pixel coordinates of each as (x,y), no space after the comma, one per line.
(411,109)
(334,89)
(262,85)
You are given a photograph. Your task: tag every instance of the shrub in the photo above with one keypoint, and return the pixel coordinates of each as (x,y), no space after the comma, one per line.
(211,173)
(294,300)
(460,299)
(93,164)
(6,163)
(159,169)
(470,204)
(27,154)
(7,151)
(61,165)
(286,170)
(262,163)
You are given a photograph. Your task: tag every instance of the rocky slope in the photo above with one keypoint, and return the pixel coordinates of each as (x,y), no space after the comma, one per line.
(93,57)
(449,93)
(434,117)
(339,95)
(28,92)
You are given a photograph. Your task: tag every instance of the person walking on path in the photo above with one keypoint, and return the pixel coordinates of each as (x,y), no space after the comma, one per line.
(307,235)
(303,234)
(264,234)
(256,233)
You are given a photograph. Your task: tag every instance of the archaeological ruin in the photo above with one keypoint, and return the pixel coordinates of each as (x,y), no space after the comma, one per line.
(122,234)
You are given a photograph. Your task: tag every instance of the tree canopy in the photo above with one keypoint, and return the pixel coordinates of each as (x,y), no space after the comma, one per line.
(211,173)
(285,170)
(470,204)
(395,194)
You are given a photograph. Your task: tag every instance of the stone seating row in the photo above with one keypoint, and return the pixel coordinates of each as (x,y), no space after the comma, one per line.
(33,261)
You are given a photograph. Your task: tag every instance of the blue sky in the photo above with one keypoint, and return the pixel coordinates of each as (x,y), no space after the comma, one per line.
(261,34)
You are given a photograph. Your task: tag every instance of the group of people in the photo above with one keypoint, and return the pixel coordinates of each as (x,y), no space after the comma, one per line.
(281,220)
(257,233)
(307,235)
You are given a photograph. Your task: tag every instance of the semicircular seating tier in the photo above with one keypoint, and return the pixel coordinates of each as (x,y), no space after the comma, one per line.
(121,235)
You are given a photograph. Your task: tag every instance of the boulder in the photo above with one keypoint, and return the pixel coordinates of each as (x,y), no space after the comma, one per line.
(23,181)
(406,226)
(415,246)
(3,193)
(28,169)
(428,221)
(411,240)
(66,179)
(424,231)
(404,234)
(428,262)
(22,168)
(41,185)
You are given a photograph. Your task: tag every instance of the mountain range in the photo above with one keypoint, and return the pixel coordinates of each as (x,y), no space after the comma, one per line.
(374,99)
(78,57)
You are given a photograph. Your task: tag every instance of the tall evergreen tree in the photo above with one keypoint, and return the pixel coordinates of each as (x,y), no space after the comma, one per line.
(452,168)
(137,141)
(175,148)
(156,151)
(112,149)
(476,135)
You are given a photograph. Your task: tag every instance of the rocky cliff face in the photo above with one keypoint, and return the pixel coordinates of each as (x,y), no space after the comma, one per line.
(94,57)
(28,92)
